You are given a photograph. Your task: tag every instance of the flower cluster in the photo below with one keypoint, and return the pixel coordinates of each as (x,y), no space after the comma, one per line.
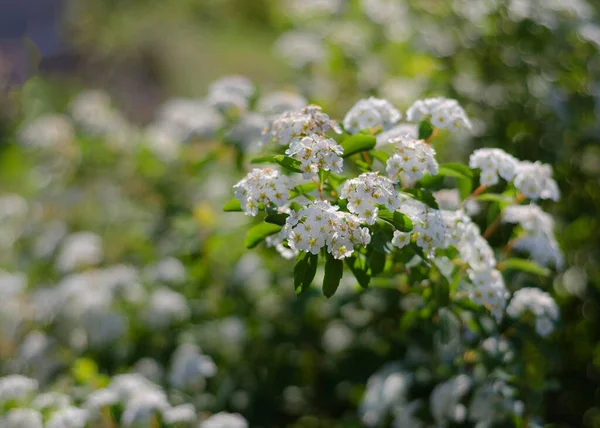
(366,192)
(291,127)
(493,163)
(231,94)
(534,180)
(538,303)
(371,113)
(317,153)
(411,161)
(441,112)
(262,185)
(538,237)
(429,227)
(320,225)
(488,288)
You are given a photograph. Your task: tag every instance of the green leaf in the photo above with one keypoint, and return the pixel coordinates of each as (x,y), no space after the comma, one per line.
(455,170)
(381,156)
(442,292)
(425,130)
(233,205)
(523,266)
(396,219)
(304,189)
(433,182)
(259,232)
(277,218)
(376,262)
(304,271)
(465,187)
(494,197)
(381,241)
(358,143)
(424,196)
(334,270)
(288,163)
(359,270)
(263,159)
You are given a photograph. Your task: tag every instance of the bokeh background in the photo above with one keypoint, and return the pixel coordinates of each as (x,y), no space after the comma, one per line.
(526,71)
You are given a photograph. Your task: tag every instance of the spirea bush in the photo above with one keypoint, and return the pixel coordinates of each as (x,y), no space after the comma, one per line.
(356,199)
(337,195)
(132,304)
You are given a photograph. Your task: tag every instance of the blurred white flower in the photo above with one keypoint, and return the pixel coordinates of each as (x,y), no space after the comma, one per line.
(225,420)
(300,49)
(22,418)
(445,399)
(189,368)
(166,307)
(16,387)
(68,417)
(79,250)
(49,132)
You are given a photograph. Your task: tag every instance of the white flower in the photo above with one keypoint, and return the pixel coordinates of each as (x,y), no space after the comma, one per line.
(49,132)
(184,413)
(411,161)
(231,94)
(491,401)
(291,127)
(538,238)
(429,227)
(311,9)
(351,37)
(366,192)
(537,302)
(317,153)
(300,49)
(16,387)
(321,225)
(92,111)
(101,398)
(489,290)
(225,420)
(188,117)
(401,239)
(466,237)
(493,163)
(441,112)
(262,185)
(144,405)
(400,130)
(80,249)
(233,84)
(51,400)
(68,417)
(11,284)
(386,391)
(22,418)
(445,400)
(534,180)
(169,270)
(371,113)
(189,368)
(277,103)
(127,385)
(166,307)
(247,131)
(164,140)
